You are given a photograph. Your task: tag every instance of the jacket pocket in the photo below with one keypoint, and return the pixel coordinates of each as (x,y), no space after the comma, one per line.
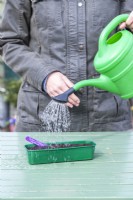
(109,108)
(29,104)
(33,104)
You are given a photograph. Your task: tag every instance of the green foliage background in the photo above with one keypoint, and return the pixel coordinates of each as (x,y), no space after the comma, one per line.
(12,88)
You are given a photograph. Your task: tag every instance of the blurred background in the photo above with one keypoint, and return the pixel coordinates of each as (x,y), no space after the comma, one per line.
(9,86)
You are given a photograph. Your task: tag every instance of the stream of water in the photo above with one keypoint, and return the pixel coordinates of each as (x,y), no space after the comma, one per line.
(56,117)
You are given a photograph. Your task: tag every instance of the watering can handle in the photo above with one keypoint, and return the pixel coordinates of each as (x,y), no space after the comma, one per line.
(109,28)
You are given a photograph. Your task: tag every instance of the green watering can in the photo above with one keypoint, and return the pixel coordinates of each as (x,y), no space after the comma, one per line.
(114,61)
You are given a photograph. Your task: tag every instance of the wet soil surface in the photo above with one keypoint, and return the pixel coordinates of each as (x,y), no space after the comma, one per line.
(58,146)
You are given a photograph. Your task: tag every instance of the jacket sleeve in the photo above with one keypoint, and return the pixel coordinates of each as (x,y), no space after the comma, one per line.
(126,6)
(14,43)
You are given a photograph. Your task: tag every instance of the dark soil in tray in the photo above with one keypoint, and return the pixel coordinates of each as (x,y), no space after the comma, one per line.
(58,146)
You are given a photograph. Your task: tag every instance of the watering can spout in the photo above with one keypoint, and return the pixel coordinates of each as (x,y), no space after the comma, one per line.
(103,82)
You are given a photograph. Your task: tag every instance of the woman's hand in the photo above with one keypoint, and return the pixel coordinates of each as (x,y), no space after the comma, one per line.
(57,84)
(128,23)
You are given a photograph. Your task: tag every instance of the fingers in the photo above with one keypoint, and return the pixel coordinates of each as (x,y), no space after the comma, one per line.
(57,84)
(128,23)
(67,81)
(54,92)
(73,99)
(130,27)
(69,105)
(130,19)
(70,102)
(122,25)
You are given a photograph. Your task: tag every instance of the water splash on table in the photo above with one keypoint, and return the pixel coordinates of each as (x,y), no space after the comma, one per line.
(56,117)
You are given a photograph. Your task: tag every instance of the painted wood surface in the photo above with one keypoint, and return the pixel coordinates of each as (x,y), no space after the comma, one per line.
(108,176)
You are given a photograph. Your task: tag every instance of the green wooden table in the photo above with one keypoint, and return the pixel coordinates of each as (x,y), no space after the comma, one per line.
(108,176)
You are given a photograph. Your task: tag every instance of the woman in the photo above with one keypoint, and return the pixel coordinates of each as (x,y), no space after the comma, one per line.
(51,44)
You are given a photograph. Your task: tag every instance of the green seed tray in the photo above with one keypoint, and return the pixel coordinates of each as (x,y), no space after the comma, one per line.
(72,151)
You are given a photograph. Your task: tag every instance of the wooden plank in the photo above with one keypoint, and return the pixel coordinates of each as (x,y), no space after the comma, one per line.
(108,176)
